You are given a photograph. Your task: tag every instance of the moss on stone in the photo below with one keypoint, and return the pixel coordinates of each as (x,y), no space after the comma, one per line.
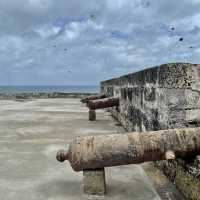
(187,184)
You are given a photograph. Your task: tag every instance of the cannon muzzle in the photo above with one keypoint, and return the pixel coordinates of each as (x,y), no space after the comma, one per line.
(62,155)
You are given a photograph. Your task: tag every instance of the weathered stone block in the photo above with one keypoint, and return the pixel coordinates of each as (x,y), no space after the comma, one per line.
(94,182)
(92,115)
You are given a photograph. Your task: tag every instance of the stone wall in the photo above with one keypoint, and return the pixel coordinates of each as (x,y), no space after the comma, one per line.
(162,97)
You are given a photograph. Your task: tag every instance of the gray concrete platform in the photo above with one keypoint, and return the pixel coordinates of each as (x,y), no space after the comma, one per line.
(32,131)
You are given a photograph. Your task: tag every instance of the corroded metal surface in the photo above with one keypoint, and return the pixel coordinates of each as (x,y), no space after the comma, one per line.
(92,152)
(93,97)
(103,103)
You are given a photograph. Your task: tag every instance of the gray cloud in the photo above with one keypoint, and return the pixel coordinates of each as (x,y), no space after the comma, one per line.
(74,42)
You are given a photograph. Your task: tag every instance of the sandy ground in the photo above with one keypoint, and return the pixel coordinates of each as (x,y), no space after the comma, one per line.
(31,132)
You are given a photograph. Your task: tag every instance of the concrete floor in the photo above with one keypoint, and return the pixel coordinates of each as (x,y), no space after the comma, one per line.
(31,132)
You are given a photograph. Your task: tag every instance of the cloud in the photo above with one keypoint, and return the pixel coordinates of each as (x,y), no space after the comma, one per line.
(74,42)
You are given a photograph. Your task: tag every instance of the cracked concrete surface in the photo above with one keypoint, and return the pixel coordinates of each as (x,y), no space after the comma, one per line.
(31,133)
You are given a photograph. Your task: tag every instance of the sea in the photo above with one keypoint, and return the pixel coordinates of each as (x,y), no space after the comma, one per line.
(50,89)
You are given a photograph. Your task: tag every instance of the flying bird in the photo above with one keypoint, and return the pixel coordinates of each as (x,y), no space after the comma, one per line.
(92,16)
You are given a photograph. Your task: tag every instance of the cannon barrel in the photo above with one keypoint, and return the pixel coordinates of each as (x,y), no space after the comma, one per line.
(93,97)
(94,152)
(103,103)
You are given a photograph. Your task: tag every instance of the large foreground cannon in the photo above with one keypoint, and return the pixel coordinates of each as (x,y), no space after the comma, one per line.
(93,97)
(91,154)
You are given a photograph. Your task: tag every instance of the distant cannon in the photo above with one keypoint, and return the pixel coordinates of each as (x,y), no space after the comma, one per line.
(103,103)
(93,97)
(96,152)
(100,104)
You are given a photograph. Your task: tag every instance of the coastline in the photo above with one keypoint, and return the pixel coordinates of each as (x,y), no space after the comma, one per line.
(43,95)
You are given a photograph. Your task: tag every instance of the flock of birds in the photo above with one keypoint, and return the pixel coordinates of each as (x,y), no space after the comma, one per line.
(93,17)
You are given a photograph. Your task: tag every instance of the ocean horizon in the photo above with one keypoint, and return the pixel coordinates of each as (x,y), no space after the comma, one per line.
(12,89)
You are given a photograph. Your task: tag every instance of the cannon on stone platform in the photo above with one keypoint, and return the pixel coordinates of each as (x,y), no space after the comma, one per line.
(101,104)
(91,154)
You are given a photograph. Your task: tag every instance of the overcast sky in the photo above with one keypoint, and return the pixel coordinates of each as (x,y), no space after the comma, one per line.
(81,42)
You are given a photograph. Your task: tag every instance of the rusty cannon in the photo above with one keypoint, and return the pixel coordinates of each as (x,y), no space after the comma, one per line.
(101,104)
(94,153)
(93,97)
